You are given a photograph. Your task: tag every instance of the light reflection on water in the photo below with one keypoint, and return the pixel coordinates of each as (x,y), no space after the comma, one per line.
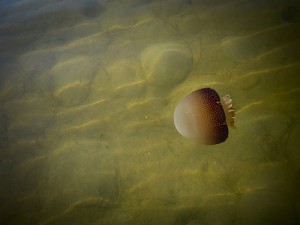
(87,94)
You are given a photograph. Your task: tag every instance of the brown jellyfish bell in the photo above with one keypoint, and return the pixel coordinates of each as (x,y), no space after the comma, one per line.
(203,117)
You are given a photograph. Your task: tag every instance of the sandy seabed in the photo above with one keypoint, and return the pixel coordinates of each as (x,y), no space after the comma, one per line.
(87,95)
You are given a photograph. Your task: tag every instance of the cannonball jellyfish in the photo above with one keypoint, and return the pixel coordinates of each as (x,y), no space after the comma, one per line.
(203,117)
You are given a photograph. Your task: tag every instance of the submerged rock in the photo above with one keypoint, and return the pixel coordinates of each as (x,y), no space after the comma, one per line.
(167,64)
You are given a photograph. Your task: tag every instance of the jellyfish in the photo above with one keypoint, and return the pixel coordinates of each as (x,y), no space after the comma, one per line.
(203,117)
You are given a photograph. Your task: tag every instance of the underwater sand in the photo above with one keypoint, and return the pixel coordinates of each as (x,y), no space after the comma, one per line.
(87,93)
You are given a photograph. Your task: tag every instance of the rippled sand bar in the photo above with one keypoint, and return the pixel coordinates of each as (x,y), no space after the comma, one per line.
(88,91)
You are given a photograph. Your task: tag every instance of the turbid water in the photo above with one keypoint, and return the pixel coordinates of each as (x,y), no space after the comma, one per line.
(87,93)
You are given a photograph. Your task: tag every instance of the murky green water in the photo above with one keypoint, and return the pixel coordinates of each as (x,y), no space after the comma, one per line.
(88,90)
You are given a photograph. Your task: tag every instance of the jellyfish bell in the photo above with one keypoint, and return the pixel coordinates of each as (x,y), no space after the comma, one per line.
(203,117)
